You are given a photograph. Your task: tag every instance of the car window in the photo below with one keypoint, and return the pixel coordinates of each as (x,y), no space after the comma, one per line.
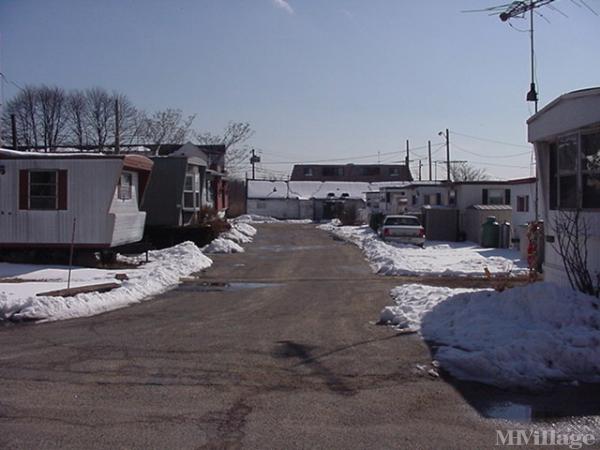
(410,221)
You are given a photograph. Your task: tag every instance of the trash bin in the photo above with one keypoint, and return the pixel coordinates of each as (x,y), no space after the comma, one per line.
(490,233)
(523,240)
(504,238)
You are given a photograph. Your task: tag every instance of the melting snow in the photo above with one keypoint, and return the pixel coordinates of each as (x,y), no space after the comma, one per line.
(166,267)
(437,258)
(522,337)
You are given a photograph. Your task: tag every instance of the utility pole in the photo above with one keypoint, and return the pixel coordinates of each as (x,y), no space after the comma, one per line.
(13,124)
(420,165)
(429,151)
(117,130)
(253,160)
(407,154)
(447,136)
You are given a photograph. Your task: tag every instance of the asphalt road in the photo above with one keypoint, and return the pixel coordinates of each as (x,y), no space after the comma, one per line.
(295,363)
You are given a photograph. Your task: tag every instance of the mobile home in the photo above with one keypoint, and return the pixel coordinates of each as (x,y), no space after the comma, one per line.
(47,195)
(566,136)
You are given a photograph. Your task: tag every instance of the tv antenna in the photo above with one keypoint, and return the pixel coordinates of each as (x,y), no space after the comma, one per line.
(519,9)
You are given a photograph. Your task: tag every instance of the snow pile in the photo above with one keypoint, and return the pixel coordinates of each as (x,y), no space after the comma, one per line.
(436,259)
(166,267)
(222,245)
(229,241)
(242,227)
(236,236)
(255,218)
(525,337)
(412,302)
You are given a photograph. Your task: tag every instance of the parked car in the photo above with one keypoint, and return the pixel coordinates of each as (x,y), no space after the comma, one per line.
(404,229)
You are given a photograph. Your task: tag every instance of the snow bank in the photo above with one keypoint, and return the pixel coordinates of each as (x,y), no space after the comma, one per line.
(166,267)
(437,258)
(222,245)
(242,227)
(255,218)
(525,337)
(412,302)
(236,236)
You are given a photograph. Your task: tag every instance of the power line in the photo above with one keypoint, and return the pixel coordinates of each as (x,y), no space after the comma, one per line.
(482,163)
(14,83)
(513,155)
(489,140)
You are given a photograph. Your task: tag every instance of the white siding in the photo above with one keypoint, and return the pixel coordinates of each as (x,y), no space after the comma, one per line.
(290,208)
(91,189)
(521,190)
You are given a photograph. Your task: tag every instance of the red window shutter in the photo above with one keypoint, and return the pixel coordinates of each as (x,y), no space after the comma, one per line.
(62,189)
(23,189)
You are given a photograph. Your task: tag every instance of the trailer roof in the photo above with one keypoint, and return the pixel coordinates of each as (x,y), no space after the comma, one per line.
(133,162)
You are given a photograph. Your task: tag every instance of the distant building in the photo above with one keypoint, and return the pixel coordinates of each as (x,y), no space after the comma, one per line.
(314,200)
(368,173)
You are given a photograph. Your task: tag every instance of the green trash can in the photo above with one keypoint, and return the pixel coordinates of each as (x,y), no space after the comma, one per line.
(490,233)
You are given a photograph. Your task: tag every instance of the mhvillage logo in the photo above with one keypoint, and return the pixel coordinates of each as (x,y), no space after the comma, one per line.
(544,437)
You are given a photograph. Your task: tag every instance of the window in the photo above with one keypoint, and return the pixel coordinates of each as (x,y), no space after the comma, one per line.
(43,189)
(333,171)
(394,171)
(590,170)
(575,171)
(191,189)
(522,203)
(124,191)
(308,172)
(567,171)
(370,171)
(495,197)
(406,221)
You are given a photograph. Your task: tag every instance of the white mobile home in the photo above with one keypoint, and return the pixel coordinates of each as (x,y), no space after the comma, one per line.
(43,194)
(566,135)
(315,200)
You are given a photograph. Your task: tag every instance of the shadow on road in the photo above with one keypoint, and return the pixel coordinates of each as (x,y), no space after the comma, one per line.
(291,349)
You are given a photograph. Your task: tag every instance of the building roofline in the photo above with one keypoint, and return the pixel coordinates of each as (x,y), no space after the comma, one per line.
(585,92)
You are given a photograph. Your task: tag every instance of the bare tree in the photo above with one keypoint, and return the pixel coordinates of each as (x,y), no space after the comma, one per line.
(234,134)
(99,116)
(168,126)
(40,115)
(572,231)
(131,120)
(23,106)
(76,116)
(52,117)
(463,171)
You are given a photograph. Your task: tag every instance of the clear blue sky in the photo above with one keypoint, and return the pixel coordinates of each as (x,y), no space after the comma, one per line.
(316,79)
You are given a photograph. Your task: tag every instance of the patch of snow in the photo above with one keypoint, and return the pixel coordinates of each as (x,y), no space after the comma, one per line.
(412,302)
(222,245)
(166,267)
(245,228)
(236,236)
(255,218)
(525,337)
(435,259)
